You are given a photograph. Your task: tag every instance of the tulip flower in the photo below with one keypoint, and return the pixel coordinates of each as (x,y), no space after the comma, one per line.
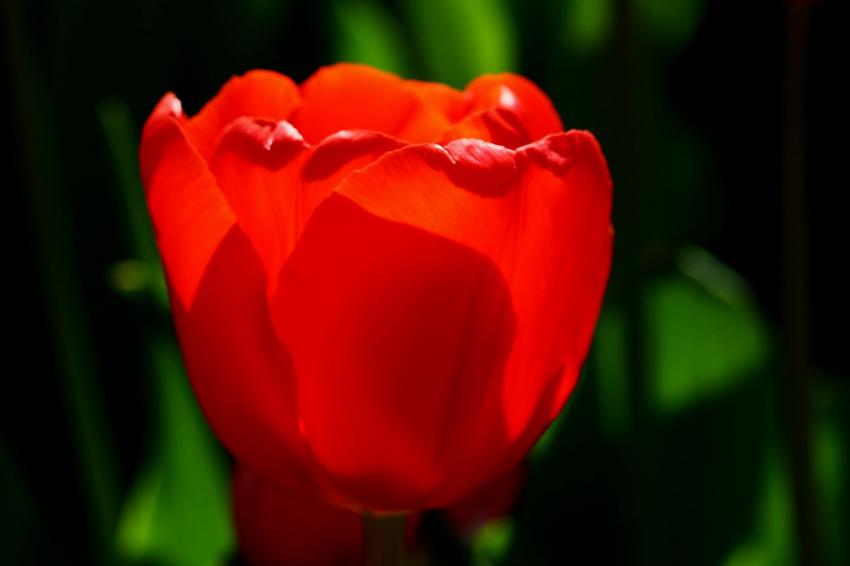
(383,289)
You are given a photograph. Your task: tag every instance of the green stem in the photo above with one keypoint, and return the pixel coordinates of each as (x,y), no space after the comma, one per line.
(383,539)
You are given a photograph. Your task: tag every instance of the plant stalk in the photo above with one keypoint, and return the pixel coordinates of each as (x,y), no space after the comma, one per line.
(383,539)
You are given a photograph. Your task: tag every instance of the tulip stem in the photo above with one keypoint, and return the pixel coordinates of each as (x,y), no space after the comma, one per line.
(383,539)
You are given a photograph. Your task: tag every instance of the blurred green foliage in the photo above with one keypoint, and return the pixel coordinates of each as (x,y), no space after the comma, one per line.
(673,450)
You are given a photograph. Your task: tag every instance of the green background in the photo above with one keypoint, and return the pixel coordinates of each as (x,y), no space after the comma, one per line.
(712,422)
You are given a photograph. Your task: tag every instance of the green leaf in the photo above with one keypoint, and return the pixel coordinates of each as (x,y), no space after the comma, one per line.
(587,25)
(610,353)
(704,335)
(772,541)
(460,40)
(145,273)
(178,512)
(22,525)
(492,542)
(831,459)
(671,23)
(365,33)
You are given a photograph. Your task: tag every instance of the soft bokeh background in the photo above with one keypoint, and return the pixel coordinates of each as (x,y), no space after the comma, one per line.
(713,419)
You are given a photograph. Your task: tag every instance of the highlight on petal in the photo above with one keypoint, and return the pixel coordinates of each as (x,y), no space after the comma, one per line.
(505,109)
(504,284)
(522,97)
(190,215)
(257,94)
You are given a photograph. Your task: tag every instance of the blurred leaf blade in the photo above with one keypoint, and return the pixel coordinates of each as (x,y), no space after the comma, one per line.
(772,540)
(705,334)
(672,23)
(611,379)
(70,331)
(365,32)
(586,25)
(178,512)
(492,541)
(122,139)
(459,41)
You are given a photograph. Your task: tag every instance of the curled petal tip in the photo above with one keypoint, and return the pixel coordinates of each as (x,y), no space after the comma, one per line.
(272,144)
(482,167)
(558,152)
(343,147)
(172,105)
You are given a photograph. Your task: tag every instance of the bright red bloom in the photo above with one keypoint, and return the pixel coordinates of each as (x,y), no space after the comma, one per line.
(383,289)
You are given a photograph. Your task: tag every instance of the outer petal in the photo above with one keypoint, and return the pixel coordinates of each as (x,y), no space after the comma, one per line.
(259,94)
(278,527)
(240,372)
(357,97)
(190,216)
(436,304)
(383,319)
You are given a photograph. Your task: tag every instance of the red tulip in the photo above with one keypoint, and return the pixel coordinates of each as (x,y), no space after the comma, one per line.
(383,289)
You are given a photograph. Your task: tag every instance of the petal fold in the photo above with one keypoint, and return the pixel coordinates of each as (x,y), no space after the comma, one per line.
(258,94)
(273,180)
(190,215)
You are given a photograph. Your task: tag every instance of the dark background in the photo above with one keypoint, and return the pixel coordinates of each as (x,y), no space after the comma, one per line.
(712,425)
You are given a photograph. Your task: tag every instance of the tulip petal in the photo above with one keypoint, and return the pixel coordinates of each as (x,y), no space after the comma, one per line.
(190,215)
(521,96)
(505,109)
(259,94)
(273,180)
(432,303)
(356,97)
(257,164)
